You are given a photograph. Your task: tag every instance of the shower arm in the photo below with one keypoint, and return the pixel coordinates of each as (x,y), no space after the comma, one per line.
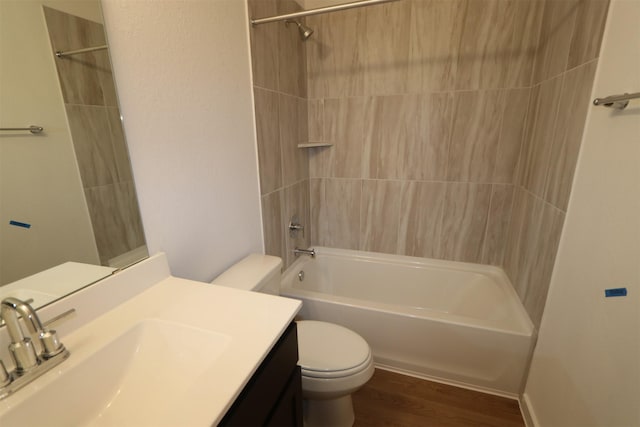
(328,9)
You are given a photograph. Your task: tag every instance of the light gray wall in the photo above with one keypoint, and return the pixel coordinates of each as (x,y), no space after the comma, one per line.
(586,366)
(182,70)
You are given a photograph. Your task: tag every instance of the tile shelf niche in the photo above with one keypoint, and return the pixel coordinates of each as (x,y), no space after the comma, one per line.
(315,144)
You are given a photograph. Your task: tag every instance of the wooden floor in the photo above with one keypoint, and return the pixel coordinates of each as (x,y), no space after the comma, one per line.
(391,399)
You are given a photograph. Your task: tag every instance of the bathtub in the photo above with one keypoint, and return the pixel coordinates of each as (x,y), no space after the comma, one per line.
(452,322)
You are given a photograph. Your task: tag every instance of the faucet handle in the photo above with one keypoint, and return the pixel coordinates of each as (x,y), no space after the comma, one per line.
(24,355)
(295,226)
(51,345)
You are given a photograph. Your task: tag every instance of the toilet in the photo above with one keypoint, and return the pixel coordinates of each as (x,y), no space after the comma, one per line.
(335,361)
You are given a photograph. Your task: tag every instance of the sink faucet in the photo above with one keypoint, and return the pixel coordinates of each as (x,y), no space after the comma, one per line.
(50,346)
(311,252)
(30,362)
(21,347)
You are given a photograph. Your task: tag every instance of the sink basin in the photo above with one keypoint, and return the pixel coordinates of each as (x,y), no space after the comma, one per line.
(133,380)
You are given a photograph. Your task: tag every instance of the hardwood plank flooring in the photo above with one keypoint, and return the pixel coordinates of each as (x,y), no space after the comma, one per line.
(391,399)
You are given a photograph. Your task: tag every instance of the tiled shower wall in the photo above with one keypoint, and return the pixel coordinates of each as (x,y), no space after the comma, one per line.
(565,66)
(425,103)
(455,127)
(280,91)
(94,118)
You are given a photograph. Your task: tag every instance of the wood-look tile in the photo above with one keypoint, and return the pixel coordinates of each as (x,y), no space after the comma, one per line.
(292,74)
(497,224)
(540,134)
(321,161)
(521,169)
(513,247)
(335,212)
(436,27)
(391,399)
(315,118)
(528,243)
(119,143)
(421,209)
(572,112)
(302,107)
(464,220)
(132,220)
(555,38)
(380,215)
(92,143)
(526,21)
(115,219)
(295,162)
(391,121)
(317,207)
(80,75)
(273,224)
(425,153)
(296,202)
(105,77)
(476,131)
(587,32)
(385,42)
(542,260)
(514,117)
(484,56)
(344,127)
(342,199)
(268,137)
(264,45)
(334,54)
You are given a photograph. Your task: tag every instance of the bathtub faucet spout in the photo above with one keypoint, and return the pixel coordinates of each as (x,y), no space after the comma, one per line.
(311,252)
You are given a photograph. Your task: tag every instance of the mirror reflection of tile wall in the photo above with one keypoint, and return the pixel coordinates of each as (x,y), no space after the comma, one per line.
(94,118)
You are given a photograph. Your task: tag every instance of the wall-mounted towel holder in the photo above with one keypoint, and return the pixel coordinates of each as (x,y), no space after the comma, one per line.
(33,129)
(618,102)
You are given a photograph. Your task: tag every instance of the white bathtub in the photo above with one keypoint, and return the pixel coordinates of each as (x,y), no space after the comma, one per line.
(453,322)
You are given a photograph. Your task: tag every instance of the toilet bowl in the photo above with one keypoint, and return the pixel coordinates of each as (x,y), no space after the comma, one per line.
(334,360)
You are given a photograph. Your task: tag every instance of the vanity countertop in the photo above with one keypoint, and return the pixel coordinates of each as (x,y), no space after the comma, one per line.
(245,325)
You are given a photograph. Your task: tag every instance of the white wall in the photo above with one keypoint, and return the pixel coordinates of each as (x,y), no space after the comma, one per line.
(39,178)
(586,366)
(182,70)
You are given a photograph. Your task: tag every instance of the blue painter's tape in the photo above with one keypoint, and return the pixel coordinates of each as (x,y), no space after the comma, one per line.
(615,292)
(19,224)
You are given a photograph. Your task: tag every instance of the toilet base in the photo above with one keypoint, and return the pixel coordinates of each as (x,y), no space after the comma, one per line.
(329,412)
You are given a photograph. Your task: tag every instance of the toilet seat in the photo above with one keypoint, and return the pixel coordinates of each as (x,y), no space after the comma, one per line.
(331,351)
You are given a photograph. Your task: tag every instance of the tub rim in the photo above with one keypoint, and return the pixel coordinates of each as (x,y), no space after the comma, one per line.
(525,326)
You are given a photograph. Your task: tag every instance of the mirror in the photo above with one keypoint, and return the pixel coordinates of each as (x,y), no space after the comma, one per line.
(68,210)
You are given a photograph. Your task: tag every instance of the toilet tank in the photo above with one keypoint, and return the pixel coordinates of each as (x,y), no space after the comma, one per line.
(257,272)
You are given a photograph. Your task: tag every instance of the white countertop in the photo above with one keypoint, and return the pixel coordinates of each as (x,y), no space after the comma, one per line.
(251,323)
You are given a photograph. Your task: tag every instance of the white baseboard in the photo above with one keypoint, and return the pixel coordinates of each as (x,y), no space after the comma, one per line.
(526,409)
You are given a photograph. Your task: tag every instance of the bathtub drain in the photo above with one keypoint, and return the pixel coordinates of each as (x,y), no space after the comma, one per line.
(301,275)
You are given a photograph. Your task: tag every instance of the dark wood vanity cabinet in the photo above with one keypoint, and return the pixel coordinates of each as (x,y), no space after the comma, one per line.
(273,396)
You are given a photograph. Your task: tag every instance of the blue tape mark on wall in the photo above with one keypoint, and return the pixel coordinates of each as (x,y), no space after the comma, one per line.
(615,292)
(19,224)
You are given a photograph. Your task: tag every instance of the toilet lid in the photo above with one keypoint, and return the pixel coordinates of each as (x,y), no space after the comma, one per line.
(327,349)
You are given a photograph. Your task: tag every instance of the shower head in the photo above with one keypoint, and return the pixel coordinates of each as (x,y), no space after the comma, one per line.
(305,32)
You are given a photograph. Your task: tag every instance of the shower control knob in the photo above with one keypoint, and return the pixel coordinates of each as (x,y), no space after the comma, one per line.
(295,226)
